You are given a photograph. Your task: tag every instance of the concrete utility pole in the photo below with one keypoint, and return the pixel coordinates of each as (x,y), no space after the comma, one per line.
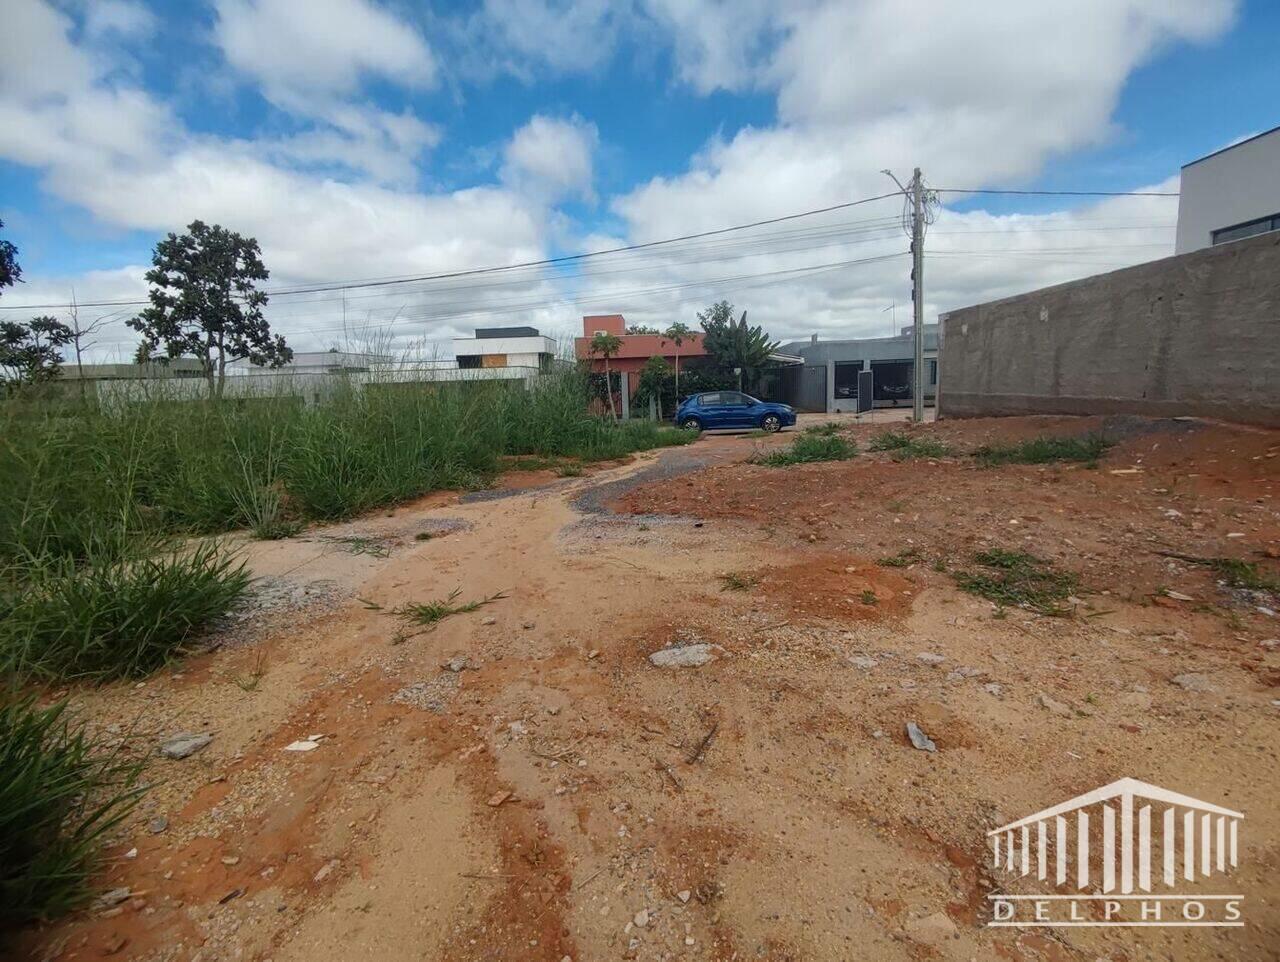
(917,294)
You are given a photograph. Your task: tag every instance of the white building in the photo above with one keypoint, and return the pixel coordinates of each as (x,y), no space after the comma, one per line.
(1231,194)
(496,347)
(318,362)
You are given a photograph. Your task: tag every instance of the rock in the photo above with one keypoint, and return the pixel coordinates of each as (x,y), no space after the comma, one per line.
(1054,707)
(157,824)
(527,625)
(111,897)
(688,656)
(497,798)
(930,658)
(231,860)
(1270,644)
(865,662)
(993,688)
(488,620)
(919,739)
(684,895)
(1177,595)
(1192,681)
(877,734)
(641,918)
(935,929)
(302,745)
(325,870)
(456,663)
(183,745)
(961,673)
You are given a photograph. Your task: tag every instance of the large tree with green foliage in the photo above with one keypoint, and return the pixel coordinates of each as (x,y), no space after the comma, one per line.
(10,272)
(205,303)
(732,344)
(31,353)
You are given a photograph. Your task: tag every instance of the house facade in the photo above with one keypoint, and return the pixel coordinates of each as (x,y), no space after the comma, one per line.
(636,349)
(504,347)
(828,379)
(1231,194)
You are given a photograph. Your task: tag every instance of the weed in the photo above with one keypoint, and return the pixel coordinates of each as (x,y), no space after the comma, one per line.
(903,559)
(828,429)
(1045,450)
(569,470)
(905,446)
(116,618)
(62,791)
(869,597)
(897,507)
(422,536)
(1234,572)
(250,681)
(809,448)
(427,615)
(737,581)
(1019,579)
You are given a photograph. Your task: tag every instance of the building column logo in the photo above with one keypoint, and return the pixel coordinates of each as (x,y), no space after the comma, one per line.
(1126,854)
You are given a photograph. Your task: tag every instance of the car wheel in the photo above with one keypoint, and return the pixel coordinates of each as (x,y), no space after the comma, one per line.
(691,424)
(770,423)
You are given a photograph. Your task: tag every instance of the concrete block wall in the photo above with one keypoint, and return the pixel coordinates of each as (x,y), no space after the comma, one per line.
(1197,334)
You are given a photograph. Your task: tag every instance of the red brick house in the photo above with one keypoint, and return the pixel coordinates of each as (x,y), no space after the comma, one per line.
(635,349)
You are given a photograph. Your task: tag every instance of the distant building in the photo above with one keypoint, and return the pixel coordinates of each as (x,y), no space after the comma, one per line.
(178,367)
(635,349)
(1230,194)
(318,362)
(498,347)
(828,380)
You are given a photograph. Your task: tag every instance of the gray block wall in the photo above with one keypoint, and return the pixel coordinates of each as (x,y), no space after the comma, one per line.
(1197,334)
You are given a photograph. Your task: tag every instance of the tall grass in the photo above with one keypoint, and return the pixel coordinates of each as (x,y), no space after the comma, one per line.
(74,478)
(60,793)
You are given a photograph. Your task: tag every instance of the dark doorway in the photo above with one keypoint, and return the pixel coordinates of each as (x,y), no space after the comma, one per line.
(846,386)
(892,380)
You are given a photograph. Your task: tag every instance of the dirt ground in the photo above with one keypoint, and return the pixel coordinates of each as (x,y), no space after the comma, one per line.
(521,783)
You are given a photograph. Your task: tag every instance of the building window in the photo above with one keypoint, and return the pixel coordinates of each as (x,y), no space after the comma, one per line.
(1248,229)
(846,385)
(933,372)
(467,361)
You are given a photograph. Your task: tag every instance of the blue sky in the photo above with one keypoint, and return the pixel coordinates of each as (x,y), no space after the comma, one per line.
(359,139)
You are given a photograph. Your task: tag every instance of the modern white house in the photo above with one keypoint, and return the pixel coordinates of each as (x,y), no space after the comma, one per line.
(499,347)
(1230,194)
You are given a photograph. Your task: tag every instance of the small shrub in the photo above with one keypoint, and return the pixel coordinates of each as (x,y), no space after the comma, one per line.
(809,448)
(1019,579)
(428,614)
(1045,450)
(903,559)
(828,429)
(905,446)
(569,470)
(737,581)
(1236,573)
(60,793)
(121,618)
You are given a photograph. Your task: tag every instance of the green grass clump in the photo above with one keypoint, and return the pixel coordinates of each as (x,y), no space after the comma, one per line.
(737,581)
(112,618)
(903,559)
(1019,579)
(61,792)
(809,448)
(827,429)
(427,615)
(904,445)
(1045,450)
(1236,573)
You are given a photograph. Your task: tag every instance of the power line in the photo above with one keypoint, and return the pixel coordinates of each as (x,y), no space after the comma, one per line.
(1054,193)
(563,259)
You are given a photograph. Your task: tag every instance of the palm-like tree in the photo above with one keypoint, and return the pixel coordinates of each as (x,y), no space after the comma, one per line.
(607,345)
(678,333)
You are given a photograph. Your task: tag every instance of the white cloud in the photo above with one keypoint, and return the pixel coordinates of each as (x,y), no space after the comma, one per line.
(719,44)
(552,157)
(302,49)
(528,37)
(118,19)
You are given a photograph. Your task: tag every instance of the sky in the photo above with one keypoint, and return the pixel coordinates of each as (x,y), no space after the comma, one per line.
(378,139)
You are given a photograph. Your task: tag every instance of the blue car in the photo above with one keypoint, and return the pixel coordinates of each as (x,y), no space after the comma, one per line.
(716,410)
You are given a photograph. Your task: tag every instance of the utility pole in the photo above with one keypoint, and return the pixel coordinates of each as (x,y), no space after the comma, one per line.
(917,294)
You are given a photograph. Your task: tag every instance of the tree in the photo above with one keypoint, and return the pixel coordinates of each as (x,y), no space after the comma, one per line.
(642,329)
(606,345)
(205,303)
(30,353)
(653,382)
(733,344)
(10,272)
(678,333)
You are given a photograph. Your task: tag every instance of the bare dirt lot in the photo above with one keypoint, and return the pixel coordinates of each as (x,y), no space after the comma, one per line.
(521,783)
